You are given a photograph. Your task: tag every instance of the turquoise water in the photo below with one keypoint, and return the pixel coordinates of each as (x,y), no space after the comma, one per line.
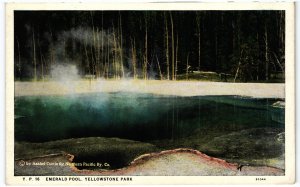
(143,117)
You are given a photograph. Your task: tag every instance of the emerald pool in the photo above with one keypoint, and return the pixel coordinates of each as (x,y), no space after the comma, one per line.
(230,127)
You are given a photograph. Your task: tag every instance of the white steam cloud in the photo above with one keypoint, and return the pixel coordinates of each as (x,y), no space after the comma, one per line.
(64,72)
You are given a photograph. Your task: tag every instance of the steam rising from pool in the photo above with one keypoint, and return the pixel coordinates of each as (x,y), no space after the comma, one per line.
(64,72)
(65,75)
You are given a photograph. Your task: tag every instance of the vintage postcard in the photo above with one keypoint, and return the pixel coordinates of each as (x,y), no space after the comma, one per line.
(150,93)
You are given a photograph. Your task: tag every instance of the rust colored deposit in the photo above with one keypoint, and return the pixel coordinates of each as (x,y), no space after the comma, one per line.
(177,162)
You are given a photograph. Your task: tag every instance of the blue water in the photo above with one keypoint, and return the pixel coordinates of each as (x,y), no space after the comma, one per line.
(143,117)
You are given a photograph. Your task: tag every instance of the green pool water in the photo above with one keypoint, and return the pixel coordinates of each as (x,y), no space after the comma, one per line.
(230,127)
(137,116)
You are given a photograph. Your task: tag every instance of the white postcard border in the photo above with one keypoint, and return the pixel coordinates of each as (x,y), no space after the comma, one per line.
(289,92)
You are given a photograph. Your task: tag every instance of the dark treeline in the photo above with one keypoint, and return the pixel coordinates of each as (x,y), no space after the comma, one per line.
(245,45)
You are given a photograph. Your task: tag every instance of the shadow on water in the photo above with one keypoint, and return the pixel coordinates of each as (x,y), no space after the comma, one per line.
(165,121)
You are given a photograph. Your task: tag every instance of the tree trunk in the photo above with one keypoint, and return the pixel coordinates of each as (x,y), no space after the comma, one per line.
(146,50)
(266,53)
(173,50)
(34,55)
(93,61)
(102,46)
(216,49)
(257,65)
(99,63)
(282,30)
(199,41)
(65,54)
(133,53)
(238,68)
(86,54)
(108,64)
(238,30)
(41,58)
(167,47)
(176,61)
(120,46)
(278,62)
(160,74)
(19,59)
(52,59)
(116,73)
(94,50)
(43,61)
(187,66)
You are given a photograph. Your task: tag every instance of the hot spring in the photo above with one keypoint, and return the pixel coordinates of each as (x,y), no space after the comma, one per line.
(217,125)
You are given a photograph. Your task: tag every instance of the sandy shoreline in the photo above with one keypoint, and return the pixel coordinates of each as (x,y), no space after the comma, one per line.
(180,88)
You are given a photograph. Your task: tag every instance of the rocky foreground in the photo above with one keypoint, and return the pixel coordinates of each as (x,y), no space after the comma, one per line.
(257,151)
(177,162)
